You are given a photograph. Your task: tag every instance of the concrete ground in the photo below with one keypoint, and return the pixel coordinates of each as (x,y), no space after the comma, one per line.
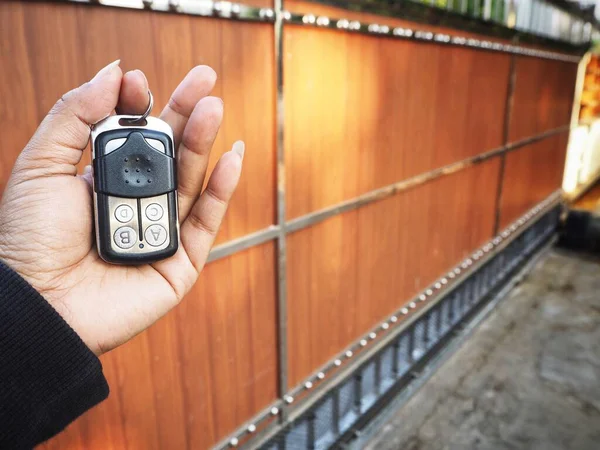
(528,378)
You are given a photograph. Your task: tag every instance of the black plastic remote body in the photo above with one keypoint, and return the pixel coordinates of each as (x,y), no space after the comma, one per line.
(135,190)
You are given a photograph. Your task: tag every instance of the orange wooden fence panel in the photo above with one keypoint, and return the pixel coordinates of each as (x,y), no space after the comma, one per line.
(199,372)
(363,112)
(211,363)
(351,271)
(532,173)
(543,97)
(56,47)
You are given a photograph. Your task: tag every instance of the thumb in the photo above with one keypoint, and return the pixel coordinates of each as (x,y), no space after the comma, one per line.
(57,145)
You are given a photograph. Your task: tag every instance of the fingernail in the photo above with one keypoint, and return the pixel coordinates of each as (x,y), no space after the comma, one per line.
(143,77)
(107,69)
(239,147)
(87,169)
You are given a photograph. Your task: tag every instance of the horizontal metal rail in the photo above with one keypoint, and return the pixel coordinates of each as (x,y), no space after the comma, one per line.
(306,394)
(203,8)
(424,36)
(490,22)
(244,242)
(272,232)
(239,11)
(409,183)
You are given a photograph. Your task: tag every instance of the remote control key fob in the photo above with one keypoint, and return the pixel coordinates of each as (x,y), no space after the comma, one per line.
(135,189)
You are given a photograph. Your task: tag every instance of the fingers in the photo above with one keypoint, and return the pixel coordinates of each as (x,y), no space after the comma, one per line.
(133,98)
(197,84)
(87,177)
(57,145)
(195,120)
(200,228)
(194,151)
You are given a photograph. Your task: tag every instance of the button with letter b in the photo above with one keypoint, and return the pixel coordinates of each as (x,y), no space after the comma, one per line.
(155,235)
(125,237)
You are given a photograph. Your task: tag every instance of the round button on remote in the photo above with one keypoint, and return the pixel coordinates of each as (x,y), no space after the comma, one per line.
(155,235)
(124,213)
(154,212)
(125,237)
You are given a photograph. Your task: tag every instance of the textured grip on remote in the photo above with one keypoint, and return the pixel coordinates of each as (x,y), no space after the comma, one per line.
(136,169)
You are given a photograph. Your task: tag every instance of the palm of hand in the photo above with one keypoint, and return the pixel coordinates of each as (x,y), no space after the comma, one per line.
(46,216)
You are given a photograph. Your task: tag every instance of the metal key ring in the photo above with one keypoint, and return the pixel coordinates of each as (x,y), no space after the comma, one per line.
(135,118)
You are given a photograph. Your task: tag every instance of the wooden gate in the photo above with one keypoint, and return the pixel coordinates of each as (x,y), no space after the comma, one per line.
(377,158)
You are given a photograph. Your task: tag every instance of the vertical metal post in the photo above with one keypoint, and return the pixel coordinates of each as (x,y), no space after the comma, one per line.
(311,437)
(281,244)
(466,292)
(494,269)
(411,345)
(486,279)
(520,248)
(477,288)
(480,286)
(451,307)
(514,252)
(497,11)
(439,331)
(458,305)
(511,14)
(463,297)
(508,104)
(447,311)
(358,394)
(426,337)
(378,376)
(532,15)
(500,271)
(395,358)
(335,413)
(487,9)
(455,307)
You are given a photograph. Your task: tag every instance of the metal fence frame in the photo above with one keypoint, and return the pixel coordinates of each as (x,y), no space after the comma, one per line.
(507,251)
(404,357)
(282,413)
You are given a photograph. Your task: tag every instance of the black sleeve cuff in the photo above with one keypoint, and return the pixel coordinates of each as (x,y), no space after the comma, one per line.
(48,376)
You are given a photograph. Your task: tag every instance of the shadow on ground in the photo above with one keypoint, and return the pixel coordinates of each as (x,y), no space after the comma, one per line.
(528,378)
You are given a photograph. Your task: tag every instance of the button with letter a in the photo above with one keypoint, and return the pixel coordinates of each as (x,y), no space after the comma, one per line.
(155,235)
(125,237)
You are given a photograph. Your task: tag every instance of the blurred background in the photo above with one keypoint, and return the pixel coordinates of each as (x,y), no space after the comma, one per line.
(404,161)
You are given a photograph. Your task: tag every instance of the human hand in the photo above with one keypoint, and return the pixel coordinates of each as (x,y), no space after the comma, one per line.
(46,211)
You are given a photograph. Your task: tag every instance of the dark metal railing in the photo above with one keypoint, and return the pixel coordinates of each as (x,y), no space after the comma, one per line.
(339,414)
